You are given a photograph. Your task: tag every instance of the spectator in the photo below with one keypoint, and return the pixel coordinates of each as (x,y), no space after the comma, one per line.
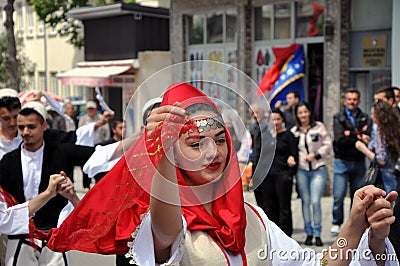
(261,150)
(278,185)
(314,144)
(118,131)
(103,133)
(385,94)
(349,126)
(64,124)
(92,116)
(385,145)
(396,91)
(292,98)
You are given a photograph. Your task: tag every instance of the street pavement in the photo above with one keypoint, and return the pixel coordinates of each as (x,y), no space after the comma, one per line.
(86,259)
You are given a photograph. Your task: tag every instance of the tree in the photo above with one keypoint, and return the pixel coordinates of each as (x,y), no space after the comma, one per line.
(11,60)
(25,67)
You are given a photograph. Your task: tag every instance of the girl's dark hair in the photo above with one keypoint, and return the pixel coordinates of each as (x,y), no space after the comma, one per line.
(387,121)
(278,111)
(201,107)
(300,104)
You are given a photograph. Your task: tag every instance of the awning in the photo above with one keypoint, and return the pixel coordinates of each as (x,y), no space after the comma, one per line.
(100,73)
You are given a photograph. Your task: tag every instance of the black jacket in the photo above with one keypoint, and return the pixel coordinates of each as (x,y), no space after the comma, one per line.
(56,157)
(394,234)
(344,146)
(263,149)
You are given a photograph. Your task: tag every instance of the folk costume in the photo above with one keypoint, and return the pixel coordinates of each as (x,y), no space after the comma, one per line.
(18,177)
(236,233)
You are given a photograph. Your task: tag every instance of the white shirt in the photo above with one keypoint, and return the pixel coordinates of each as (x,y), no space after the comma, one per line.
(100,161)
(32,171)
(86,135)
(9,145)
(13,220)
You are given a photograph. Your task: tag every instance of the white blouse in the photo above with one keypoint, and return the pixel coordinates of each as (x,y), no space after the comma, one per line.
(282,250)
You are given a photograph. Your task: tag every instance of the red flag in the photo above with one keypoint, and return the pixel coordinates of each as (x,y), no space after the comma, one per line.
(318,10)
(272,74)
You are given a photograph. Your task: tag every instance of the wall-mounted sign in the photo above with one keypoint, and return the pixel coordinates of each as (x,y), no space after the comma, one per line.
(374,51)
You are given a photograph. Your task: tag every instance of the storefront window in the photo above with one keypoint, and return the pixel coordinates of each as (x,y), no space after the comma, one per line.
(231,28)
(309,18)
(282,21)
(262,22)
(196,29)
(215,28)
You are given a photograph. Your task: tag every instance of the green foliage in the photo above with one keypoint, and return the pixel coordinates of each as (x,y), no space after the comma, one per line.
(25,66)
(54,12)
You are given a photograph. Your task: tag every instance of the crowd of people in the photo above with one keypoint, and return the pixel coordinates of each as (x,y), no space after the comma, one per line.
(356,135)
(176,196)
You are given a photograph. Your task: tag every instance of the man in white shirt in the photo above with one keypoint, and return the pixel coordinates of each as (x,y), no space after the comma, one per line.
(24,174)
(9,138)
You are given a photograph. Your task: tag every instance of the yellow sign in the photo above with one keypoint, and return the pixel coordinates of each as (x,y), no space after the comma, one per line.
(374,51)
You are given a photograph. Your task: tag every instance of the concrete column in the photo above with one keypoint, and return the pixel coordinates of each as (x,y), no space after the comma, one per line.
(396,43)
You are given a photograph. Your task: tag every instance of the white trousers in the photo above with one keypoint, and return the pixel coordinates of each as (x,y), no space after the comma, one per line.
(3,247)
(21,253)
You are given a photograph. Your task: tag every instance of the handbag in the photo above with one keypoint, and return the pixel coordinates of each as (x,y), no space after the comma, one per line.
(373,175)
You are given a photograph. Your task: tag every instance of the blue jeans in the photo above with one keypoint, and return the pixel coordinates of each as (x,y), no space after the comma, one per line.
(311,185)
(389,181)
(343,172)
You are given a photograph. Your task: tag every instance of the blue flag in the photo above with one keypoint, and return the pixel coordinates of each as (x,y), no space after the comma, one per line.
(290,78)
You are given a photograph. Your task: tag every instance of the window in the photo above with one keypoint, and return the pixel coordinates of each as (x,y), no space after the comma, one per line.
(54,83)
(53,30)
(277,21)
(32,83)
(231,26)
(371,14)
(67,91)
(310,18)
(263,22)
(196,29)
(30,21)
(219,27)
(215,28)
(20,18)
(282,21)
(40,31)
(42,81)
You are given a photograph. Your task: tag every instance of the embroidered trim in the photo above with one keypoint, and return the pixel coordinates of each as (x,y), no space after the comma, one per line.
(324,260)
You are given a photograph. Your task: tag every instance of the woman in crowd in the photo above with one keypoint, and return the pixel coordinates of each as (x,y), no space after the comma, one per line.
(195,214)
(314,144)
(278,185)
(385,145)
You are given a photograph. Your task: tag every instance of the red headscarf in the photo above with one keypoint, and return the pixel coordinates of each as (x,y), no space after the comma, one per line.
(108,214)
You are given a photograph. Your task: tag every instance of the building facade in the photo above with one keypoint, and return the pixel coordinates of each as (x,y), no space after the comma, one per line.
(347,43)
(47,49)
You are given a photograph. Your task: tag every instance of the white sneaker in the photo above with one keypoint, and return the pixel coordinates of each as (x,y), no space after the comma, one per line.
(335,230)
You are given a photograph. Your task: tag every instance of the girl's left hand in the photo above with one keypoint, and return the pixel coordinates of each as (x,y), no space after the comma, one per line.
(310,157)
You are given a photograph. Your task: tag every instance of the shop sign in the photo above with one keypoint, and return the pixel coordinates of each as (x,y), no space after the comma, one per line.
(374,51)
